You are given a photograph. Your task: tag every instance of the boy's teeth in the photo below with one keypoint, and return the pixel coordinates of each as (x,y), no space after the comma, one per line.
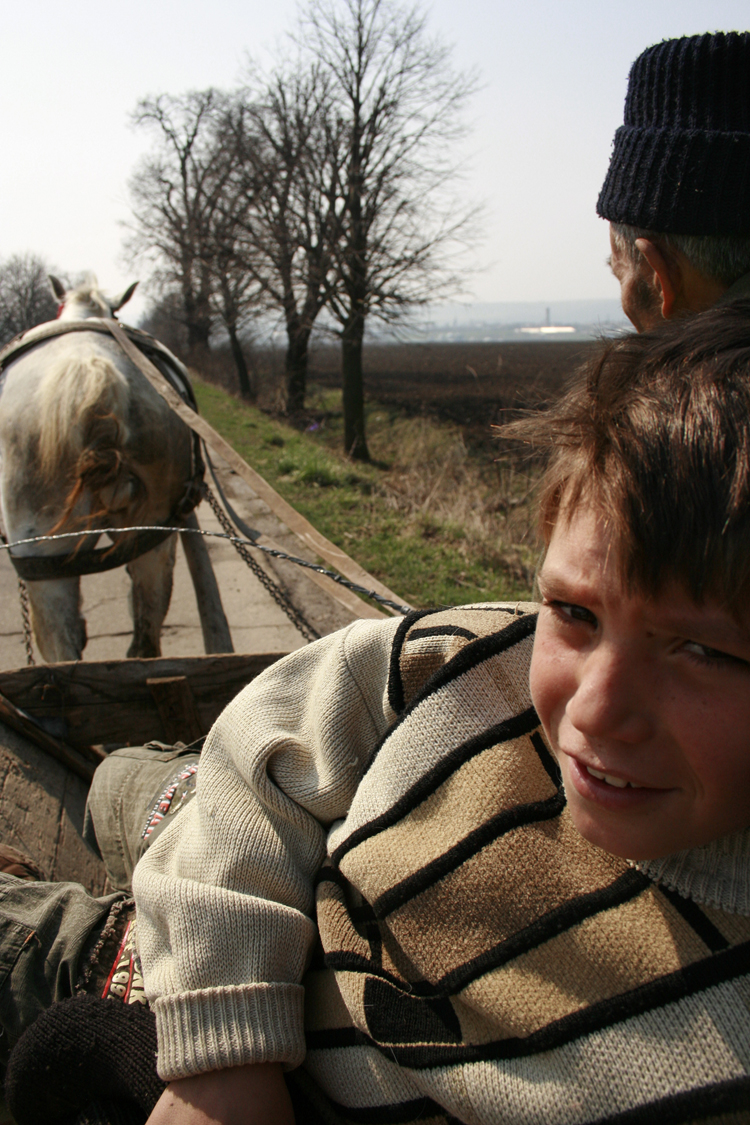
(618,782)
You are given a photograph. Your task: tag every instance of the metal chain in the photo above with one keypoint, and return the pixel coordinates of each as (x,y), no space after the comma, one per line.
(353,586)
(278,593)
(23,594)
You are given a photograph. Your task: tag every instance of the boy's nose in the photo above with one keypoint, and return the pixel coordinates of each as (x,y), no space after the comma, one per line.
(609,700)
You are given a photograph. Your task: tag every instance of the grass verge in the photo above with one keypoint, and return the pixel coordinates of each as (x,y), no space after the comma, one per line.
(436,523)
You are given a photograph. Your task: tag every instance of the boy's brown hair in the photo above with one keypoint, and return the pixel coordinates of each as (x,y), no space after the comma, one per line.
(656,434)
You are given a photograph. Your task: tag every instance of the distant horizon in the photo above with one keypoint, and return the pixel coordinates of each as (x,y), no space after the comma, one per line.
(480,322)
(575,310)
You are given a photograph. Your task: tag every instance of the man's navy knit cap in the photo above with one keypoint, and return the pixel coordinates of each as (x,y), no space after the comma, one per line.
(681,161)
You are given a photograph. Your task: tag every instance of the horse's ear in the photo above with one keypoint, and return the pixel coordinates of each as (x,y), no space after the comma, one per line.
(117,302)
(57,287)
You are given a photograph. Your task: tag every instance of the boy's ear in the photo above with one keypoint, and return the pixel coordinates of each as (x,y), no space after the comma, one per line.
(666,274)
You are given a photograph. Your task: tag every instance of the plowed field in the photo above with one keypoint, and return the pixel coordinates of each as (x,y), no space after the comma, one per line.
(471,384)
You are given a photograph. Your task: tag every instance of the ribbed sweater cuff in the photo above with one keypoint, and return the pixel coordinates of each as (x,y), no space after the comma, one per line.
(216,1028)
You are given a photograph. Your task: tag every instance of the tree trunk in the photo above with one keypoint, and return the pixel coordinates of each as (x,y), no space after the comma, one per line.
(198,324)
(198,335)
(355,443)
(295,369)
(246,387)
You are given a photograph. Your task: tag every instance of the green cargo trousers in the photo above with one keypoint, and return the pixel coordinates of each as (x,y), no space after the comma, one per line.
(48,929)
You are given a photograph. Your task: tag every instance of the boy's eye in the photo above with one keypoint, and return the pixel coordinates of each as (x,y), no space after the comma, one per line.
(573,612)
(705,655)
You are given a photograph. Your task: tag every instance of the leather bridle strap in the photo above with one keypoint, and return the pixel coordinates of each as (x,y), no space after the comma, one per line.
(41,568)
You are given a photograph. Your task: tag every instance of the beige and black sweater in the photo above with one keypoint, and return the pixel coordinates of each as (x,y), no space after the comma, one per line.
(478,960)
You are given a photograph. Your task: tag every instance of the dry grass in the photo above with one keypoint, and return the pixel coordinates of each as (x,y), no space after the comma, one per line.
(484,506)
(439,522)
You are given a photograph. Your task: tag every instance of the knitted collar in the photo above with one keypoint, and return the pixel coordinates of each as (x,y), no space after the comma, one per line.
(717,874)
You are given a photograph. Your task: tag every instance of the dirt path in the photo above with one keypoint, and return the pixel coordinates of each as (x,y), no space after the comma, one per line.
(256,622)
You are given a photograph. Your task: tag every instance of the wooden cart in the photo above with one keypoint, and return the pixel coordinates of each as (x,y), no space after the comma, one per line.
(57,721)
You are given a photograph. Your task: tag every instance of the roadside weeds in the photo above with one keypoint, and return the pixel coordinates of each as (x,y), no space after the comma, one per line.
(438,522)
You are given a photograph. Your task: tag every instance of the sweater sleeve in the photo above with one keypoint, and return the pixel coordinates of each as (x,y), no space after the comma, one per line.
(225,895)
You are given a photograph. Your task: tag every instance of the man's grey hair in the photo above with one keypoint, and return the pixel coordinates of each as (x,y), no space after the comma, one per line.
(723,258)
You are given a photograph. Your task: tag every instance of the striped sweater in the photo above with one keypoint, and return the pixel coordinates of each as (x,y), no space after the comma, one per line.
(478,961)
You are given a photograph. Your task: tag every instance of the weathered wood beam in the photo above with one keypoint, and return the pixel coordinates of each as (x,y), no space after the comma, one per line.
(111,702)
(176,706)
(83,765)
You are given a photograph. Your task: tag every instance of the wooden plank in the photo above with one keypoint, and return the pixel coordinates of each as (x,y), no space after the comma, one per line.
(176,706)
(41,812)
(297,523)
(83,765)
(111,702)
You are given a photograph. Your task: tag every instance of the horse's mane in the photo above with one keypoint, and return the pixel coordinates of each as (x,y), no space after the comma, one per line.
(82,403)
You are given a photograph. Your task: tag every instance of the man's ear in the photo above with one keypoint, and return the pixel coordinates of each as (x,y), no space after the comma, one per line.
(667,274)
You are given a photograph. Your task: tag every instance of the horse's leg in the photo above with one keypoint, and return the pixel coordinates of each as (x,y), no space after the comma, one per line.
(55,604)
(59,628)
(151,575)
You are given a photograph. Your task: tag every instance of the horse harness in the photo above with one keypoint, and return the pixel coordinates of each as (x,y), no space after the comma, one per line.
(35,568)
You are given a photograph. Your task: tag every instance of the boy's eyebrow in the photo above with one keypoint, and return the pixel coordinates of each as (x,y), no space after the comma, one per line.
(720,630)
(553,583)
(550,583)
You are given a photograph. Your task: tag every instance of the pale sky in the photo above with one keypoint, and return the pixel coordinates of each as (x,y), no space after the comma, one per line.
(553,73)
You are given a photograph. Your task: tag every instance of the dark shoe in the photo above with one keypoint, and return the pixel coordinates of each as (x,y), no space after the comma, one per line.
(81,1051)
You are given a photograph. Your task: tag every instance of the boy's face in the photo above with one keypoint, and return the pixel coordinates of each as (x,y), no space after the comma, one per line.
(645,702)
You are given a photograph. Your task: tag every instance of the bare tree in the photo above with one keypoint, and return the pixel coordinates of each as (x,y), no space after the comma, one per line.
(176,195)
(186,202)
(236,210)
(235,291)
(25,295)
(393,113)
(236,297)
(164,318)
(279,134)
(325,185)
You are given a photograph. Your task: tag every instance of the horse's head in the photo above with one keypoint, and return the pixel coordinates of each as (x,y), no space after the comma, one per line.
(87,299)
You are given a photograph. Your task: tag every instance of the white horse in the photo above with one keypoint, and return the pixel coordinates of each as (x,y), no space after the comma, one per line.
(86,442)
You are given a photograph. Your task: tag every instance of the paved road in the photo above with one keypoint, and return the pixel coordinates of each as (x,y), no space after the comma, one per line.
(256,622)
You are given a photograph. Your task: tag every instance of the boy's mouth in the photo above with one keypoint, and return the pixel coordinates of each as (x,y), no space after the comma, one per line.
(609,790)
(618,782)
